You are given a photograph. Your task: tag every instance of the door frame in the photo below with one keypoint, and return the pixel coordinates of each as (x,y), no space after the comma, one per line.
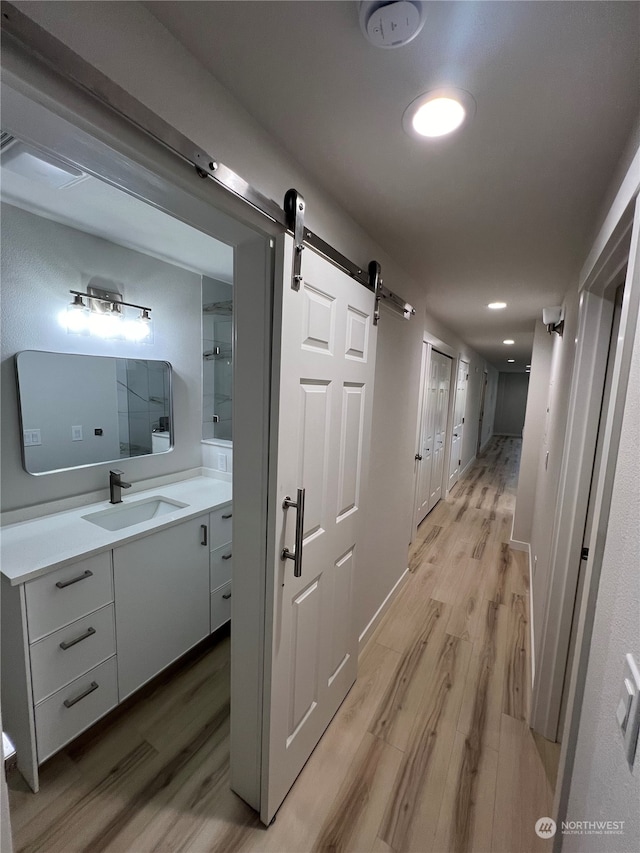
(618,240)
(55,116)
(425,357)
(483,398)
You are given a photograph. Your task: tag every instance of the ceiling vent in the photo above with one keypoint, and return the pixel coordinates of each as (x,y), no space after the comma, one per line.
(392,23)
(5,140)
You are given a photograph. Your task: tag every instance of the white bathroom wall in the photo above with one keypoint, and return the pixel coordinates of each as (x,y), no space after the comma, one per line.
(41,261)
(511,403)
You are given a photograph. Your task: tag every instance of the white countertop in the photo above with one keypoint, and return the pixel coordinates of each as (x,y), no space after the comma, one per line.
(32,548)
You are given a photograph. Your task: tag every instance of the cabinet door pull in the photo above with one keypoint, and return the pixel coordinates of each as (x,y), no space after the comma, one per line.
(227,596)
(227,556)
(68,643)
(205,531)
(227,516)
(69,703)
(85,574)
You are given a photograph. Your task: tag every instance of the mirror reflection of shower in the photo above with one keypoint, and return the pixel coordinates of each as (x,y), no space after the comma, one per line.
(217,354)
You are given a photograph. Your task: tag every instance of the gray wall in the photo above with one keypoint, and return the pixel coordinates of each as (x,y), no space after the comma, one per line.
(41,261)
(511,403)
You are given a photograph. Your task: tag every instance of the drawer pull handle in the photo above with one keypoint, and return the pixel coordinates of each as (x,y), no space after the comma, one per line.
(227,516)
(227,596)
(204,539)
(69,703)
(68,643)
(227,556)
(83,576)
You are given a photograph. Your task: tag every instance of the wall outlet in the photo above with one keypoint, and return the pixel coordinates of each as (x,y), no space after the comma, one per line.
(222,461)
(76,433)
(31,437)
(628,709)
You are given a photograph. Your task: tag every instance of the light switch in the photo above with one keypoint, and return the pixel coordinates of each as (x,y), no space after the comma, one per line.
(628,709)
(76,433)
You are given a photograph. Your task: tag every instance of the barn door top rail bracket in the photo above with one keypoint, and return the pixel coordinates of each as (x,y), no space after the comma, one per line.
(64,62)
(386,296)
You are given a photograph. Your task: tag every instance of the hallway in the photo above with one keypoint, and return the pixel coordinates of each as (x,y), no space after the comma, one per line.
(430,751)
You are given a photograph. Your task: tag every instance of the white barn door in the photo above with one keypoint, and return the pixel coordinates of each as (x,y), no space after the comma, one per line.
(324,406)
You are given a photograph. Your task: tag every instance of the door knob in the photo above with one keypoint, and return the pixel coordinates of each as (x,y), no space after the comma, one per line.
(418,457)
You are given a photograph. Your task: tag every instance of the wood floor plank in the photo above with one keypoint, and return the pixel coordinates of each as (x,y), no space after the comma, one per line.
(465,823)
(413,805)
(517,687)
(354,819)
(396,713)
(482,700)
(508,802)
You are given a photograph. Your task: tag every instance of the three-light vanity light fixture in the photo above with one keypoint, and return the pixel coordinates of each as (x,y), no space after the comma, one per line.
(107,315)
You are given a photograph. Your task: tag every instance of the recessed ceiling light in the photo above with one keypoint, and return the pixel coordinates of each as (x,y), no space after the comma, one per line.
(438,113)
(508,341)
(496,306)
(527,365)
(511,360)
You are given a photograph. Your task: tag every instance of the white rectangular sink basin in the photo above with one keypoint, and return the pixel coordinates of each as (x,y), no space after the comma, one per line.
(135,512)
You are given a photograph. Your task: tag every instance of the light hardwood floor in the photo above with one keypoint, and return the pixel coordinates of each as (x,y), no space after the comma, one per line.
(430,752)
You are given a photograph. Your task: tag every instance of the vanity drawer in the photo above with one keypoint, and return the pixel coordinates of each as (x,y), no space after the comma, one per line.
(221,565)
(88,698)
(221,522)
(220,606)
(65,595)
(71,651)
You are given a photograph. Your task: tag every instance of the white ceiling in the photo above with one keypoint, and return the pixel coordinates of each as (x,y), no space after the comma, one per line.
(98,208)
(505,208)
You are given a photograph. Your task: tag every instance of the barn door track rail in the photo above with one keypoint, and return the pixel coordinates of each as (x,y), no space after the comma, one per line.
(64,62)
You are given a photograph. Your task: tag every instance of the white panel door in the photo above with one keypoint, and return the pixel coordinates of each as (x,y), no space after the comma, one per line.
(455,459)
(442,373)
(424,456)
(323,434)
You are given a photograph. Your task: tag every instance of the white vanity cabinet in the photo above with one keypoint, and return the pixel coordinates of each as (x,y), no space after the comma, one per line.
(161,586)
(78,639)
(58,658)
(221,566)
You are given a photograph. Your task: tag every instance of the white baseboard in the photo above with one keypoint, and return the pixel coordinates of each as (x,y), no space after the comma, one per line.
(467,466)
(377,616)
(518,546)
(533,645)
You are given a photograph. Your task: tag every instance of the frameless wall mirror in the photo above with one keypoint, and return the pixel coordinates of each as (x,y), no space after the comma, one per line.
(217,354)
(78,410)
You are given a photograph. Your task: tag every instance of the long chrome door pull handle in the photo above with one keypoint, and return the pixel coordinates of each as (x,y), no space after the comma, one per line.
(68,643)
(296,555)
(69,703)
(83,576)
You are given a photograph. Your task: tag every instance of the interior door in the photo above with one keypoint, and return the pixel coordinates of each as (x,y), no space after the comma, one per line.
(458,423)
(441,373)
(324,406)
(424,456)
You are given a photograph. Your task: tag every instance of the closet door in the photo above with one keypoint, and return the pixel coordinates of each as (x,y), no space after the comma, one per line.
(458,423)
(441,373)
(424,457)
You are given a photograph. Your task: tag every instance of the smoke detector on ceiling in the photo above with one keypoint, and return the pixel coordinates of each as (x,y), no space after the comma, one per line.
(391,23)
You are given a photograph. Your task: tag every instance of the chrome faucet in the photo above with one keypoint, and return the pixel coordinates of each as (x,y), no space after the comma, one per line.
(115,486)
